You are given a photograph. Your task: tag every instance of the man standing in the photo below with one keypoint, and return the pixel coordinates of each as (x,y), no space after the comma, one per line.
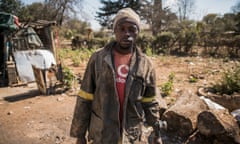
(118,91)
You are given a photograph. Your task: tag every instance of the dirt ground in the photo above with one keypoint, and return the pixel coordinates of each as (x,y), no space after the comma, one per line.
(27,117)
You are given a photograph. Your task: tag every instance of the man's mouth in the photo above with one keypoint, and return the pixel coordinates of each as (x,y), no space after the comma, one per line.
(127,41)
(130,39)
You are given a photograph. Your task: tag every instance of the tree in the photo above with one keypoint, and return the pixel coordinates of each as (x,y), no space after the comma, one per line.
(237,19)
(236,7)
(230,23)
(156,17)
(150,11)
(77,26)
(33,12)
(11,6)
(185,8)
(110,8)
(162,18)
(58,10)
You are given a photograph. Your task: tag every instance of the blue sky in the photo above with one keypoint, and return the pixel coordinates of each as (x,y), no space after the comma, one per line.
(202,7)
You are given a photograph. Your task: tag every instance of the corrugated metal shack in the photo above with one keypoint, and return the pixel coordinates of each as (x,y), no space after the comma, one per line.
(30,56)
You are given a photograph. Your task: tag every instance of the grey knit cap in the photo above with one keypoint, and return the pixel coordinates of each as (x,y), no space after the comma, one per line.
(127,14)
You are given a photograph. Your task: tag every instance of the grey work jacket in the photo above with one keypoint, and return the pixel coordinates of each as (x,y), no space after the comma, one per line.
(97,106)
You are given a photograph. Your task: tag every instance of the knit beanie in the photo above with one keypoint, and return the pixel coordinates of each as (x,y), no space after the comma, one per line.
(127,14)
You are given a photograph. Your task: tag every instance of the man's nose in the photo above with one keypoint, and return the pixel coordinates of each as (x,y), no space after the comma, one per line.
(126,32)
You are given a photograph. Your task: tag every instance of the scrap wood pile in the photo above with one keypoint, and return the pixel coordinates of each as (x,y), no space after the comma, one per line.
(197,119)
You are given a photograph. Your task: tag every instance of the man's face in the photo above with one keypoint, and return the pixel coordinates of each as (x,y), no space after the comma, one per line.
(126,34)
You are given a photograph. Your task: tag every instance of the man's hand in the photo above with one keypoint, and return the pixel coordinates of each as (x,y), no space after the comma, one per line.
(157,137)
(157,134)
(154,139)
(157,140)
(81,140)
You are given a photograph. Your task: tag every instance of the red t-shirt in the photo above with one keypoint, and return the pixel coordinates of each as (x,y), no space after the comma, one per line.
(122,62)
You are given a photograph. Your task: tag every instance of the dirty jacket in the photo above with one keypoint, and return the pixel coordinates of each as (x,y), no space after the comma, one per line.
(97,107)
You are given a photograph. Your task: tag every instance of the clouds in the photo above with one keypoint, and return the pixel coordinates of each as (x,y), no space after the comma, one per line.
(170,3)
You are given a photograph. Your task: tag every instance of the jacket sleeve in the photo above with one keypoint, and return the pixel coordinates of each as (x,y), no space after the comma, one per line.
(82,111)
(149,101)
(81,118)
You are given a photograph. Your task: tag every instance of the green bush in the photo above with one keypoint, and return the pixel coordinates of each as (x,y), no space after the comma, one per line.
(163,42)
(229,83)
(68,34)
(145,42)
(149,51)
(99,42)
(77,56)
(68,77)
(193,79)
(167,87)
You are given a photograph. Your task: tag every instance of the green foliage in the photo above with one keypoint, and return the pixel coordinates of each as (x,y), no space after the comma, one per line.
(110,8)
(236,41)
(187,35)
(68,77)
(99,42)
(163,42)
(77,26)
(236,7)
(173,35)
(229,83)
(52,10)
(144,42)
(76,61)
(77,56)
(32,12)
(68,34)
(167,88)
(193,79)
(11,6)
(149,51)
(63,53)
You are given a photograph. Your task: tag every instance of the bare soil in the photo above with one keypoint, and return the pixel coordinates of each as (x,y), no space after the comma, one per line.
(27,117)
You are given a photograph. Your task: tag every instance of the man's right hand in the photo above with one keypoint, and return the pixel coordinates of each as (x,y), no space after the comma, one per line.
(81,140)
(157,140)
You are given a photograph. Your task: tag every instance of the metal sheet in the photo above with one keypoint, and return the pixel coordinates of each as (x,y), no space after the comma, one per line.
(42,59)
(24,67)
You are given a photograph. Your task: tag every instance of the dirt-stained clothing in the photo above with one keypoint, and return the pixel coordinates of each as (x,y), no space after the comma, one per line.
(97,107)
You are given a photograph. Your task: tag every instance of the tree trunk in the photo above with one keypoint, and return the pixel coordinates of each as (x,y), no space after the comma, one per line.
(219,123)
(181,118)
(156,17)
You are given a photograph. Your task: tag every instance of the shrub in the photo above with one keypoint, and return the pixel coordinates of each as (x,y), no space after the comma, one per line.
(149,51)
(163,42)
(144,42)
(68,77)
(167,87)
(193,79)
(229,83)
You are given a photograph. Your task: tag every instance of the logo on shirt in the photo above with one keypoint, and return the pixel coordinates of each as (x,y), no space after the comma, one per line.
(122,72)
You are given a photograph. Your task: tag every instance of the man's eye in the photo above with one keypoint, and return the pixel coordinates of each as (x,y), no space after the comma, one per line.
(122,29)
(128,29)
(132,30)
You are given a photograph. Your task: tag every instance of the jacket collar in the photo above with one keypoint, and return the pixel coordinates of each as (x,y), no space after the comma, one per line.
(108,58)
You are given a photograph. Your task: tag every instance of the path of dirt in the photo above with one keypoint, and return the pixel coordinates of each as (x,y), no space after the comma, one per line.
(30,118)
